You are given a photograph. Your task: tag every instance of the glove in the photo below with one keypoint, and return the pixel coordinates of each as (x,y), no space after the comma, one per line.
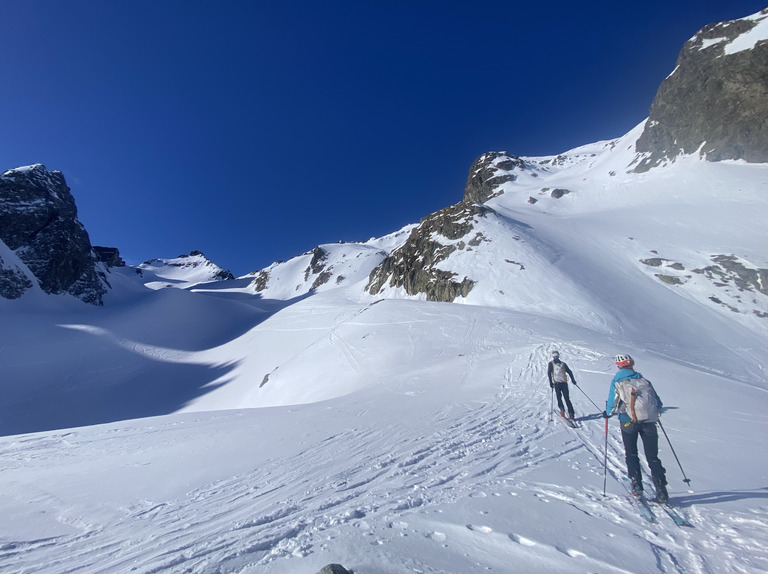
(575,383)
(551,385)
(605,415)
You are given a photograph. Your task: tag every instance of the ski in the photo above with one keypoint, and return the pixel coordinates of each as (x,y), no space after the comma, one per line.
(671,511)
(570,422)
(675,515)
(644,508)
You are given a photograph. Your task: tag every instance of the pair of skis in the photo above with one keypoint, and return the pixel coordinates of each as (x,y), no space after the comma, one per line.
(644,507)
(569,422)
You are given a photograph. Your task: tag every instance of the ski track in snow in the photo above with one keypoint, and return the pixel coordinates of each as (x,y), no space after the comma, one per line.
(294,506)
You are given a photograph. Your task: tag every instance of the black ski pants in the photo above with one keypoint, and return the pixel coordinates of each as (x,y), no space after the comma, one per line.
(647,431)
(561,390)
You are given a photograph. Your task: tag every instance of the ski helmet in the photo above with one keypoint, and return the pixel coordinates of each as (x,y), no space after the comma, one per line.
(555,355)
(624,361)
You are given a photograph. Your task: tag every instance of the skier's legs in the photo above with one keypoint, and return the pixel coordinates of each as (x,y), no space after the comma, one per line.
(650,438)
(567,397)
(629,438)
(559,392)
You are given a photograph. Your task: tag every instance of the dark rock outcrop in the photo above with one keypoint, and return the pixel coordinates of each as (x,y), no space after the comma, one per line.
(715,102)
(109,256)
(38,221)
(413,266)
(13,281)
(488,173)
(559,192)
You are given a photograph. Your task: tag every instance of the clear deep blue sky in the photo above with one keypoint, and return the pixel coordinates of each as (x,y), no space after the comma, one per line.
(256,130)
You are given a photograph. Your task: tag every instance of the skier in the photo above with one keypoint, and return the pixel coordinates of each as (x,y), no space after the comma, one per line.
(639,421)
(558,373)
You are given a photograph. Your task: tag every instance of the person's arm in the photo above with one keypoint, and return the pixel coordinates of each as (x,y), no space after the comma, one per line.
(570,373)
(613,399)
(549,373)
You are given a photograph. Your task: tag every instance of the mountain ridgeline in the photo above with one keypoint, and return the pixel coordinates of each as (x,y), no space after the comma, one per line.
(714,105)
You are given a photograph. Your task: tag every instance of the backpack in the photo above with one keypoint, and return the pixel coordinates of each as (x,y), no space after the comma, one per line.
(639,398)
(558,372)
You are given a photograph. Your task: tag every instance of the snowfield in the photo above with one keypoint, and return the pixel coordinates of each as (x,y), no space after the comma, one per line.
(221,429)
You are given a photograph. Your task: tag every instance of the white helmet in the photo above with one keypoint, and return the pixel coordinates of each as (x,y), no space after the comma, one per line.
(624,361)
(555,354)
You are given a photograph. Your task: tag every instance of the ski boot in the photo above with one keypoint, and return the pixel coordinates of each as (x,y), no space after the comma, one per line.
(662,496)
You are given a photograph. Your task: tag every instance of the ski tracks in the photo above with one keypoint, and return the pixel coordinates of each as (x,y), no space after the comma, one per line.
(379,481)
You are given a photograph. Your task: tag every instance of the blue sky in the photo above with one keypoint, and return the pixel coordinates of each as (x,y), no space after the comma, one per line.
(256,130)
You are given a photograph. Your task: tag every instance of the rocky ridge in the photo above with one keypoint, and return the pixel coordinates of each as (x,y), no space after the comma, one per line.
(415,266)
(38,222)
(715,102)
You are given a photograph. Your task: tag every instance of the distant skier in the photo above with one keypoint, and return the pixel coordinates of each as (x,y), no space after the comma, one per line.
(638,405)
(558,373)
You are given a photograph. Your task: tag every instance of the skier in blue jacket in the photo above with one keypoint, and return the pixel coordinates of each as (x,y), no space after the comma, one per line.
(631,429)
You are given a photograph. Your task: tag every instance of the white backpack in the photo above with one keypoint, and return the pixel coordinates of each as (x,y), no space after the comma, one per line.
(639,398)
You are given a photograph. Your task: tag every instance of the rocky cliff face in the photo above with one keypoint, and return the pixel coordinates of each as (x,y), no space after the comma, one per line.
(414,266)
(488,173)
(38,222)
(14,282)
(715,102)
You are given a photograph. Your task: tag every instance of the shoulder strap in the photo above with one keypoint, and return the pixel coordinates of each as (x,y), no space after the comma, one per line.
(632,404)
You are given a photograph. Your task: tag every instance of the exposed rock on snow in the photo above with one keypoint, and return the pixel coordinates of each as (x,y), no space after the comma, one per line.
(488,173)
(325,267)
(334,569)
(728,281)
(13,281)
(558,192)
(38,221)
(415,265)
(716,100)
(109,255)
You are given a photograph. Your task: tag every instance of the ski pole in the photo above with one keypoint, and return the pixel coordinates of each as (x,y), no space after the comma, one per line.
(551,403)
(605,459)
(586,395)
(685,478)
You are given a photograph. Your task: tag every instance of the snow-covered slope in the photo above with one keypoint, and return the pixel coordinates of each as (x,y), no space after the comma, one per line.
(423,443)
(298,416)
(393,434)
(182,272)
(326,267)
